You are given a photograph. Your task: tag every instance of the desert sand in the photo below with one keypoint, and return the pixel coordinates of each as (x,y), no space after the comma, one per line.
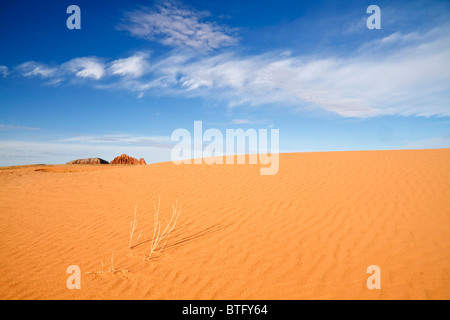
(308,232)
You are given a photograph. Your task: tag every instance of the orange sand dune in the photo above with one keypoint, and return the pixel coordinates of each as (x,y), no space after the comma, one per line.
(308,232)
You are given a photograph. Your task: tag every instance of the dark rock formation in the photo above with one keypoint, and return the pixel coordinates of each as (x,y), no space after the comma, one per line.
(88,161)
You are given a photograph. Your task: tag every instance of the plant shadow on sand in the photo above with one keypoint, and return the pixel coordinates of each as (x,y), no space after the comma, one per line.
(183,240)
(182,237)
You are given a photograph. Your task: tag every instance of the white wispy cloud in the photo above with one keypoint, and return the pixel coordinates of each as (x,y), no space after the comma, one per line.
(401,74)
(174,25)
(241,121)
(4,127)
(16,152)
(134,66)
(409,79)
(157,141)
(87,67)
(248,121)
(4,71)
(92,68)
(32,68)
(431,143)
(84,67)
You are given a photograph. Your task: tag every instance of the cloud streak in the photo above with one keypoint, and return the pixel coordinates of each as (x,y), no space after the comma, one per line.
(121,139)
(33,69)
(134,66)
(431,143)
(4,71)
(400,74)
(16,152)
(90,67)
(6,127)
(173,25)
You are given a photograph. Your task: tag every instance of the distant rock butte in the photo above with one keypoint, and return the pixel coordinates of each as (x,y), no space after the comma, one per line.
(124,159)
(88,161)
(142,161)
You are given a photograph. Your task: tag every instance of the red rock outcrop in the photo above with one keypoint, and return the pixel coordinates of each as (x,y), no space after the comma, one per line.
(142,161)
(125,159)
(88,161)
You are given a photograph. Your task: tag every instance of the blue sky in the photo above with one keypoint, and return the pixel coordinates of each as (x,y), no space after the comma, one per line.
(138,70)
